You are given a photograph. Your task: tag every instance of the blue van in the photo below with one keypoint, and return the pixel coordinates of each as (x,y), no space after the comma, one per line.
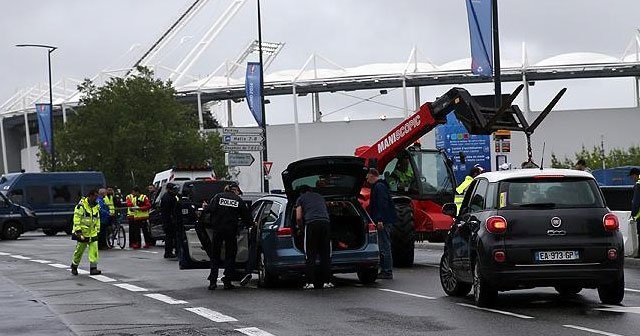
(52,196)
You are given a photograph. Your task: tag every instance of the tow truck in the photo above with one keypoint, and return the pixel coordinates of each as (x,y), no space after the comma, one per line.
(419,204)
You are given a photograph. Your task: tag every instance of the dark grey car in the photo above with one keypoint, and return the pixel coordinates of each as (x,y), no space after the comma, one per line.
(533,228)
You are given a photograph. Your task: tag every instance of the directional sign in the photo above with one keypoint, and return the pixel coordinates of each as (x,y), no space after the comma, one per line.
(249,138)
(242,148)
(240,159)
(242,130)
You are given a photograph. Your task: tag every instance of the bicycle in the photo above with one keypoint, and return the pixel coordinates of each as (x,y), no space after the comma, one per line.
(117,234)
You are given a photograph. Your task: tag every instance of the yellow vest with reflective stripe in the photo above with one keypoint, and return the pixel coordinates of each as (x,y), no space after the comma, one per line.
(108,200)
(86,218)
(460,190)
(140,214)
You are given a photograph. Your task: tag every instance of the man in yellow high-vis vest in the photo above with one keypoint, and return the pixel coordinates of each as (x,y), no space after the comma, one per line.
(139,206)
(86,225)
(462,187)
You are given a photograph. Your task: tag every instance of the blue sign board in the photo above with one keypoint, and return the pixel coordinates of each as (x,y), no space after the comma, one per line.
(253,91)
(454,138)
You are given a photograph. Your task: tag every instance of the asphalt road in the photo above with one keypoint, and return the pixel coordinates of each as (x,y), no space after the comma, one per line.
(143,294)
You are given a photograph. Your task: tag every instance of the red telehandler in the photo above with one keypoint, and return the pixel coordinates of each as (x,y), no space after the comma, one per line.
(419,203)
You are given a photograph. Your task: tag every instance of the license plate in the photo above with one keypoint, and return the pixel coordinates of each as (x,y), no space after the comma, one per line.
(557,255)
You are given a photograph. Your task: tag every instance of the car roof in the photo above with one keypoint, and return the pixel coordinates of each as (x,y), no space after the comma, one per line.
(498,176)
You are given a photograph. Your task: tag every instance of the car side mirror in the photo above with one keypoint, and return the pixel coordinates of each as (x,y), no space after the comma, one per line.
(450,209)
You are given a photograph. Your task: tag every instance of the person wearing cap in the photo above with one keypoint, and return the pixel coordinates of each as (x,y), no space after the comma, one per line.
(634,173)
(168,212)
(462,188)
(227,210)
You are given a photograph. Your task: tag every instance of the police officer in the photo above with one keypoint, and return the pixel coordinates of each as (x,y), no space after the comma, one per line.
(227,209)
(86,225)
(168,211)
(634,173)
(462,188)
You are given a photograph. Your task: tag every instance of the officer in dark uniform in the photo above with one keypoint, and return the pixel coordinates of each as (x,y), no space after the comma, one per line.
(227,210)
(168,212)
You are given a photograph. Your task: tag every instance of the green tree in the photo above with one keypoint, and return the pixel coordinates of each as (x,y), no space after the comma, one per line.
(132,127)
(616,157)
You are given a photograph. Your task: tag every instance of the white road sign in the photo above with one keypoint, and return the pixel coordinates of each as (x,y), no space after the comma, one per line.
(242,148)
(239,159)
(242,130)
(238,138)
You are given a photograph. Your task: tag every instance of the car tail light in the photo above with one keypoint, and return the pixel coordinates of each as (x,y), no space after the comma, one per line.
(496,224)
(284,232)
(499,256)
(610,222)
(612,254)
(372,228)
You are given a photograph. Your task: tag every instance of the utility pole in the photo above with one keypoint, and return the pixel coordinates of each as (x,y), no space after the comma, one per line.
(265,157)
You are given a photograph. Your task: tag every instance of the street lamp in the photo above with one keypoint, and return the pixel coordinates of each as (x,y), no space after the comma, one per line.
(50,49)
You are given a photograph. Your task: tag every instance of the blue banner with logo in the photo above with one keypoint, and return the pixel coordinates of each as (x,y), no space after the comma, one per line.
(454,138)
(43,111)
(253,91)
(481,34)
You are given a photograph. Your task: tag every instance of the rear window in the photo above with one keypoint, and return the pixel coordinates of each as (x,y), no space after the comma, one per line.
(550,192)
(327,184)
(203,191)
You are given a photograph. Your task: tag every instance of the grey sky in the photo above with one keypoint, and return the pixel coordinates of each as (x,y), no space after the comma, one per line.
(92,35)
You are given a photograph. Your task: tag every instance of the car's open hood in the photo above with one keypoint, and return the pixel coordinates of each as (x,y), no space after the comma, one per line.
(326,175)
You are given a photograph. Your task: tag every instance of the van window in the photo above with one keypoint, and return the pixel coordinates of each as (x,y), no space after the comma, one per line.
(17,196)
(87,187)
(37,195)
(555,192)
(65,193)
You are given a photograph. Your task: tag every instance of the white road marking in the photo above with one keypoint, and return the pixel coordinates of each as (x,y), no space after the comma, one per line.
(496,311)
(409,294)
(131,287)
(40,261)
(211,315)
(632,290)
(4,253)
(620,309)
(149,252)
(593,331)
(81,271)
(253,331)
(165,298)
(17,256)
(102,278)
(60,266)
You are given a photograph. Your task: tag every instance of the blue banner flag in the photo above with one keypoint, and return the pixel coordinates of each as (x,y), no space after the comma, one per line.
(480,32)
(43,111)
(254,91)
(454,138)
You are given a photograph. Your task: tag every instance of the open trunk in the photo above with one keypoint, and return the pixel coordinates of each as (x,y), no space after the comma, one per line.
(348,226)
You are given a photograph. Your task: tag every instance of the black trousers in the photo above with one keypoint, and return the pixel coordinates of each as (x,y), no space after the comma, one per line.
(229,238)
(102,234)
(134,232)
(169,238)
(317,241)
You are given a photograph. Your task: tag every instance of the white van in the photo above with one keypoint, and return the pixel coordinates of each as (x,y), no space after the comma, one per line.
(183,174)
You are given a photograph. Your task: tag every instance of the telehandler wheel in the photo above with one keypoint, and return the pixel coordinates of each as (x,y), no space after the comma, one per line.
(402,237)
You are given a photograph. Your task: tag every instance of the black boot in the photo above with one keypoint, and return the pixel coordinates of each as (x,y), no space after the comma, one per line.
(94,271)
(228,285)
(74,269)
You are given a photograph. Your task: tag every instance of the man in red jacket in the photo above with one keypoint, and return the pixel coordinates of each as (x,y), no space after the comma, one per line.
(139,204)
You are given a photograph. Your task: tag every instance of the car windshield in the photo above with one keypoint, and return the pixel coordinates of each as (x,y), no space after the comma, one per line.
(550,193)
(433,172)
(6,181)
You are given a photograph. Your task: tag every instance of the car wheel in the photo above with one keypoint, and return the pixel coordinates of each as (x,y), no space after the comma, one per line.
(483,293)
(402,237)
(612,293)
(11,231)
(449,281)
(50,232)
(368,275)
(568,290)
(265,278)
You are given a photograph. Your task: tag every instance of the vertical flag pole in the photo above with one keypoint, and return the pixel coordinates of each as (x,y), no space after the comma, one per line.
(496,54)
(265,157)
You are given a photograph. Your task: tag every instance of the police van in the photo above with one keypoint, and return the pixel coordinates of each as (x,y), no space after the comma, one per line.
(52,196)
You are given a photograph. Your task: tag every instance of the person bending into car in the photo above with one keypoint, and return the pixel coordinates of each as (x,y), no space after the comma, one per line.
(227,210)
(86,225)
(383,214)
(313,216)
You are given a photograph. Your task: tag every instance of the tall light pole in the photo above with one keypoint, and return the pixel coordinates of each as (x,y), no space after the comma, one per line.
(50,49)
(264,120)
